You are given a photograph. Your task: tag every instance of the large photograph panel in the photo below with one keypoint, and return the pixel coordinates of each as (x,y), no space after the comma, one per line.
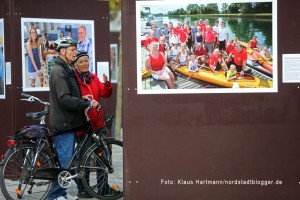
(38,52)
(2,61)
(206,47)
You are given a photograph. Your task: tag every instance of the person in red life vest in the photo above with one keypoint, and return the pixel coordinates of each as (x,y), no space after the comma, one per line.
(151,39)
(199,50)
(93,88)
(229,47)
(202,25)
(163,47)
(205,24)
(254,43)
(171,27)
(240,58)
(216,62)
(177,28)
(182,34)
(156,64)
(209,38)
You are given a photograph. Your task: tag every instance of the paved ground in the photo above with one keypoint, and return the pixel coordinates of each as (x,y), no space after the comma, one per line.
(71,190)
(73,187)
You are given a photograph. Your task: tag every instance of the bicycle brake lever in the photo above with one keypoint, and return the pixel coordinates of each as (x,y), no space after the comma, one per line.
(99,107)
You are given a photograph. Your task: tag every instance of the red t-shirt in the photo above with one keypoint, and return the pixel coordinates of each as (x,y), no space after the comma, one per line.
(157,63)
(170,29)
(162,48)
(200,52)
(149,40)
(183,35)
(239,57)
(229,48)
(213,61)
(253,44)
(177,29)
(209,37)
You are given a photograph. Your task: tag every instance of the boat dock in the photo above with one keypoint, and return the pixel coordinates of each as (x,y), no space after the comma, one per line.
(181,81)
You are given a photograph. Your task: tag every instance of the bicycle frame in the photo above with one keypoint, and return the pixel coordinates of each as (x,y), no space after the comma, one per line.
(57,168)
(46,144)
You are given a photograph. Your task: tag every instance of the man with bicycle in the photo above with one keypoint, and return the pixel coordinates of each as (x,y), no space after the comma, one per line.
(67,106)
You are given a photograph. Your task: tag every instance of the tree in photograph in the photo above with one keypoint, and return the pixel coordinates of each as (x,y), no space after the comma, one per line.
(212,8)
(246,8)
(224,8)
(202,8)
(265,7)
(233,8)
(193,9)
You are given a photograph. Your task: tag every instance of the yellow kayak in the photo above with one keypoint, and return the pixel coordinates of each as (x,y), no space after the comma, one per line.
(220,79)
(145,73)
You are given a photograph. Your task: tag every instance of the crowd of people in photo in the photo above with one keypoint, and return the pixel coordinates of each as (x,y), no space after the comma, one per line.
(185,45)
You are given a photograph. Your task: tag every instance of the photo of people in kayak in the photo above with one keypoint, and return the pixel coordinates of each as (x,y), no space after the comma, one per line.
(206,47)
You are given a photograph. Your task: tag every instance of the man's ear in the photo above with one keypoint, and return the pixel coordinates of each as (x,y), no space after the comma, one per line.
(62,51)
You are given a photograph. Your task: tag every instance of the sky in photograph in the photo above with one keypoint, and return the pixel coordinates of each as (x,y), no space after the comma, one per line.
(155,9)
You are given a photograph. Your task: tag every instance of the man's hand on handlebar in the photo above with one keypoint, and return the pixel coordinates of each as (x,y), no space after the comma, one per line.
(94,103)
(88,97)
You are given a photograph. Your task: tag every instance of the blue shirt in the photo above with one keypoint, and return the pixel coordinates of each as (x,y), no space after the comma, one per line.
(86,45)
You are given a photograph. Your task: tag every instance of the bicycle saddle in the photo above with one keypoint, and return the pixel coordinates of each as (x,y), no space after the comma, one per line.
(36,115)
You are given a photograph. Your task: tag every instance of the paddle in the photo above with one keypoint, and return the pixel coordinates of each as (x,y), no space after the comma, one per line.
(188,78)
(235,85)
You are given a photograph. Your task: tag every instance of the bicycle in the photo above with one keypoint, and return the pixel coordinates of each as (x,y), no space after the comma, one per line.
(31,165)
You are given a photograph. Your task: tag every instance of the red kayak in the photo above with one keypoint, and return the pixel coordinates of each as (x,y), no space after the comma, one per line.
(254,55)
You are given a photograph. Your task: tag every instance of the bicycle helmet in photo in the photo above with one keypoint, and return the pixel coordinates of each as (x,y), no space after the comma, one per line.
(64,42)
(80,54)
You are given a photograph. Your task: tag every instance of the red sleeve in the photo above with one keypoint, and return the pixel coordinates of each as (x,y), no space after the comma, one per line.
(104,90)
(146,43)
(233,51)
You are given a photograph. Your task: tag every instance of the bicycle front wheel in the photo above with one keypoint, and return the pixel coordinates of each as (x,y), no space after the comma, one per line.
(19,180)
(102,170)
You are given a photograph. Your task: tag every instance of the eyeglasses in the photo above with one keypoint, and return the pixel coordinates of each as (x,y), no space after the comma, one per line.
(73,49)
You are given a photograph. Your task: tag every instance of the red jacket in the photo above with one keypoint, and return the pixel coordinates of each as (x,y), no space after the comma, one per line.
(97,89)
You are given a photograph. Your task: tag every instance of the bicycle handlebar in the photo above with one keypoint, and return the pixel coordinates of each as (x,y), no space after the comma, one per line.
(31,98)
(88,109)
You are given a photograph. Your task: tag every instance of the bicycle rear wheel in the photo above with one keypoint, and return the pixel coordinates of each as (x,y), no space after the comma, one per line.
(97,178)
(18,180)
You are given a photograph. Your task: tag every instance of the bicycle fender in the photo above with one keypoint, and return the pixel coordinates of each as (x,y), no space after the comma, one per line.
(110,139)
(5,155)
